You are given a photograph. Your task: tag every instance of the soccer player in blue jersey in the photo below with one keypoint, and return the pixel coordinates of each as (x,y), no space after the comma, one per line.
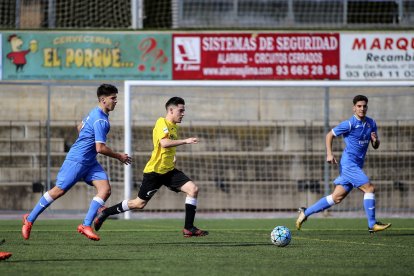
(358,132)
(81,163)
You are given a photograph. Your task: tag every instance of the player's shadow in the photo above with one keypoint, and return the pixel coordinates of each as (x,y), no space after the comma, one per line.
(392,234)
(234,244)
(192,243)
(77,260)
(214,244)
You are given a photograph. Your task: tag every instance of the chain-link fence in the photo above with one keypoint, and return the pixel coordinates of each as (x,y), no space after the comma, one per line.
(205,14)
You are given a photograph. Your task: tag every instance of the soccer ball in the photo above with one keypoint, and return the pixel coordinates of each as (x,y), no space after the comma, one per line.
(280,236)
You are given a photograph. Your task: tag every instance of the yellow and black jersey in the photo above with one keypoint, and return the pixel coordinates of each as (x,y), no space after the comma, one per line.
(162,159)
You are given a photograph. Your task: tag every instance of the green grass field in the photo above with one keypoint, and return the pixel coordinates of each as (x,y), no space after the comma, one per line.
(234,247)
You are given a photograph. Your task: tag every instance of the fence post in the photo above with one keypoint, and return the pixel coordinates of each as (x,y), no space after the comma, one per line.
(48,157)
(326,129)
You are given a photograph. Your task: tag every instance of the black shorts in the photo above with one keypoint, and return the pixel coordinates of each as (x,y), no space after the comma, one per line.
(151,182)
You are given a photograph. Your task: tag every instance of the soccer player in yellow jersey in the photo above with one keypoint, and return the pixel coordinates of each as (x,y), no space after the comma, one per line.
(160,170)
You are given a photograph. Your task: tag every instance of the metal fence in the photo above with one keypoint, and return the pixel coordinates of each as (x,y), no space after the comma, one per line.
(205,14)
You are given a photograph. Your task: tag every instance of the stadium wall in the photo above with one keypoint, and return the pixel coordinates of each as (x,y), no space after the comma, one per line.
(288,121)
(71,102)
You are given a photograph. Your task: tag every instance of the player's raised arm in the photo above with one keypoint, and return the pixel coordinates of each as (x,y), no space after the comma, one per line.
(375,142)
(330,158)
(168,143)
(105,150)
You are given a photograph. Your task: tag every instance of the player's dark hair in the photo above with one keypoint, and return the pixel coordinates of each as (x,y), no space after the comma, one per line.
(174,101)
(359,98)
(106,90)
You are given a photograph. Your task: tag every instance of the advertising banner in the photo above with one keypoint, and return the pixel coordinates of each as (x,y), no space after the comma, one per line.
(256,56)
(377,56)
(84,56)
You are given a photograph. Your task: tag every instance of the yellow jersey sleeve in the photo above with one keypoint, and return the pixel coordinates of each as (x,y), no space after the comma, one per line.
(162,159)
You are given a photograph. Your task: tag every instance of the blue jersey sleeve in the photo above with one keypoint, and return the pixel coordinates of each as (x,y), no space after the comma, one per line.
(342,128)
(101,129)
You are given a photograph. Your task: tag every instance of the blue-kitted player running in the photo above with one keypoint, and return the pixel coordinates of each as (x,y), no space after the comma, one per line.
(81,163)
(358,132)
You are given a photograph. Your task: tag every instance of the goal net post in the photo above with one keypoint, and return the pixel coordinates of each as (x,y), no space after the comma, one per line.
(262,143)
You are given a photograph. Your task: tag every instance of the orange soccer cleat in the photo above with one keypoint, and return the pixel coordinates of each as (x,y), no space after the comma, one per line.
(88,232)
(5,255)
(26,228)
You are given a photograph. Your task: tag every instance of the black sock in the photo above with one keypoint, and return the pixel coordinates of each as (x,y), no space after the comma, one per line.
(190,211)
(114,210)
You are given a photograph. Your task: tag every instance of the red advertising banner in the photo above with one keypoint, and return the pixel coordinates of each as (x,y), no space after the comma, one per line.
(256,56)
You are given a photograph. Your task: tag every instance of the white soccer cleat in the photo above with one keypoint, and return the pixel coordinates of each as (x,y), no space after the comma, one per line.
(301,218)
(379,226)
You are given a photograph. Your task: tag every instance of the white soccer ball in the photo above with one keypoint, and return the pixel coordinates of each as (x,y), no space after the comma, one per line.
(280,236)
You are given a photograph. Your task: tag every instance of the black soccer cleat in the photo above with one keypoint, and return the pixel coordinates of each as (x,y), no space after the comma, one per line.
(100,218)
(194,232)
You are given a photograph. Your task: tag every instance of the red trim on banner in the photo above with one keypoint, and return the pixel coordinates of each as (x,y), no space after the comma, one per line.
(256,56)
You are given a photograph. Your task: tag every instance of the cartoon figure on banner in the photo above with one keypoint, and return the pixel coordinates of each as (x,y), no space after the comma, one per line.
(17,55)
(150,52)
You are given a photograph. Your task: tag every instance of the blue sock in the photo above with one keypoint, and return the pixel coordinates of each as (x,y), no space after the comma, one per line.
(43,203)
(320,205)
(96,203)
(369,206)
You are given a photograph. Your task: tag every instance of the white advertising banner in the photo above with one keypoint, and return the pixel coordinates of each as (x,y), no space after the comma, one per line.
(377,56)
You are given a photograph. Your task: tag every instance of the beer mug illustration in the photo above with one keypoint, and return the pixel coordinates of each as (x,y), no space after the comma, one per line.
(33,46)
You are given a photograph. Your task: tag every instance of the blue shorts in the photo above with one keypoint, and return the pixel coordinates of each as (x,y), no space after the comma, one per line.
(351,177)
(72,172)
